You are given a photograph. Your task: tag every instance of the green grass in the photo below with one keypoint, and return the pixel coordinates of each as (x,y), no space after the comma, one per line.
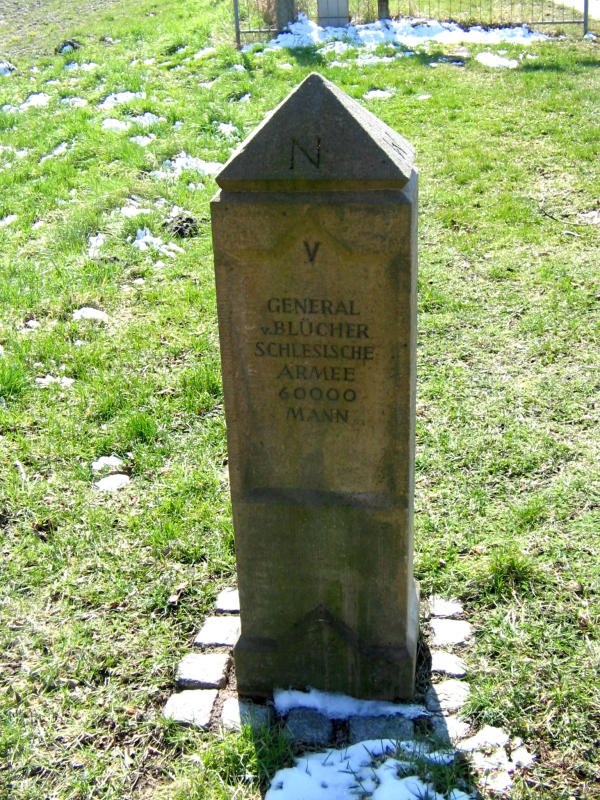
(507,446)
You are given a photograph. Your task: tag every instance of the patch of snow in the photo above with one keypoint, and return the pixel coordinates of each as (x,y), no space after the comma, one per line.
(48,380)
(206,84)
(495,61)
(228,129)
(8,108)
(52,82)
(112,124)
(339,706)
(143,141)
(487,737)
(112,483)
(285,65)
(182,162)
(406,31)
(144,240)
(59,150)
(134,210)
(148,61)
(6,221)
(377,94)
(195,187)
(86,312)
(94,245)
(238,68)
(147,119)
(33,324)
(590,36)
(104,462)
(423,97)
(245,98)
(178,124)
(37,100)
(74,102)
(86,66)
(206,51)
(117,98)
(366,768)
(442,607)
(6,68)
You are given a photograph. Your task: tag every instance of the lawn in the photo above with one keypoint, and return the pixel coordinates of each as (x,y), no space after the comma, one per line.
(507,438)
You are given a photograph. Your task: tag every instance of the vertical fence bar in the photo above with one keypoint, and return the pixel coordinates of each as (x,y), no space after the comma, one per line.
(586,16)
(236,17)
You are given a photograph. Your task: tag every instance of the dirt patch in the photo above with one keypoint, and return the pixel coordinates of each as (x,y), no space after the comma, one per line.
(30,28)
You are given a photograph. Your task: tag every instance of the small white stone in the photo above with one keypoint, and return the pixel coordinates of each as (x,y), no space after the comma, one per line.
(112,483)
(447,696)
(192,706)
(112,462)
(228,600)
(447,664)
(219,631)
(450,631)
(441,607)
(202,671)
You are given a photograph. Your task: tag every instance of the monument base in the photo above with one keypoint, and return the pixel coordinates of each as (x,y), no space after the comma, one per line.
(322,652)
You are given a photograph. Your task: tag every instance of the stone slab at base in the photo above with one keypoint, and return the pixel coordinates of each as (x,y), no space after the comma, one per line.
(308,726)
(238,712)
(191,707)
(202,671)
(218,632)
(363,728)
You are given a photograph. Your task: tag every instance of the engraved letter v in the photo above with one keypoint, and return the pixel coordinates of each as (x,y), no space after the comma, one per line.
(312,254)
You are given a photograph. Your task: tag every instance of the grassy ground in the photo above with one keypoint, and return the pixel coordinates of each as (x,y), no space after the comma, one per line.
(507,479)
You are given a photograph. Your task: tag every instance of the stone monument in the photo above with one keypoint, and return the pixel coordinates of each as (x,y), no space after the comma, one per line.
(314,232)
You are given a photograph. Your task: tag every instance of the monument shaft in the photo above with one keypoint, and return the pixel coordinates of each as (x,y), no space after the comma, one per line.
(316,293)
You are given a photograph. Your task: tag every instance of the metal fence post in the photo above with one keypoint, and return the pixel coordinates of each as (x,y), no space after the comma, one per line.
(586,16)
(236,16)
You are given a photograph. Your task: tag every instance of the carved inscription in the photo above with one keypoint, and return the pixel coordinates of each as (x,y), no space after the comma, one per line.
(316,350)
(314,158)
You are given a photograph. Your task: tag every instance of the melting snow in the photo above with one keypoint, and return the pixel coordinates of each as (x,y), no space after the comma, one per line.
(368,769)
(6,68)
(59,150)
(112,462)
(111,124)
(134,210)
(339,706)
(377,94)
(493,60)
(87,66)
(407,31)
(37,100)
(6,221)
(120,97)
(143,141)
(145,241)
(147,119)
(112,483)
(47,380)
(181,162)
(228,129)
(245,98)
(206,51)
(90,313)
(238,68)
(74,102)
(94,245)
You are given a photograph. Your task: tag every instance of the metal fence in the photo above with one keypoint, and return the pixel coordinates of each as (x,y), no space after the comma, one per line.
(257,19)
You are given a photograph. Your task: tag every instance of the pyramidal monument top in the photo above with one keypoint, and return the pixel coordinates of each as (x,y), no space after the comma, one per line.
(319,139)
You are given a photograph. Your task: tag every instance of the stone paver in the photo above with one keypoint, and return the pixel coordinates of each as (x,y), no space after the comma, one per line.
(202,671)
(447,664)
(450,631)
(192,707)
(447,696)
(237,712)
(442,607)
(218,632)
(308,726)
(394,727)
(449,729)
(228,601)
